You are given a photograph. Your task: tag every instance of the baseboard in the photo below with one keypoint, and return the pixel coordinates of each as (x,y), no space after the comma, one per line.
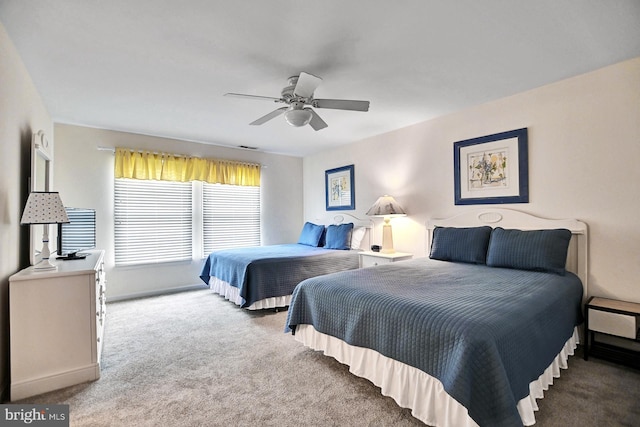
(33,387)
(157,292)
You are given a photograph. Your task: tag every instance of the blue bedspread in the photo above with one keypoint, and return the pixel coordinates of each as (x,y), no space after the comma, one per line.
(272,271)
(484,332)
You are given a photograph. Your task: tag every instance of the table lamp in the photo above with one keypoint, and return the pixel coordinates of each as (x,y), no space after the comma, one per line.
(44,207)
(386,207)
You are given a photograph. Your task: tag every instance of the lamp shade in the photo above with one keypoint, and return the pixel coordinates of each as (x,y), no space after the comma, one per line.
(386,206)
(297,117)
(44,208)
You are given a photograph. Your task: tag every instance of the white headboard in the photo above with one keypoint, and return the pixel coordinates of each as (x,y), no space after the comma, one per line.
(508,218)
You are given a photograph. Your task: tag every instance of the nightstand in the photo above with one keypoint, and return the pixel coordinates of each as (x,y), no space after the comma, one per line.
(616,318)
(370,258)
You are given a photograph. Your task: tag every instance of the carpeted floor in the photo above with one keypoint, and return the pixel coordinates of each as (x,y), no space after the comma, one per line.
(194,359)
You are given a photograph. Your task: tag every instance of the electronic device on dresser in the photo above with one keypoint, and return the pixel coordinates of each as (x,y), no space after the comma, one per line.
(78,235)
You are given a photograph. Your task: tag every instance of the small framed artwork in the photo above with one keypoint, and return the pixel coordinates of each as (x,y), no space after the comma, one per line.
(340,190)
(492,169)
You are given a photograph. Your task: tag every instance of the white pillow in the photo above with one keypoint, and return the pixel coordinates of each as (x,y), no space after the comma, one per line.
(356,237)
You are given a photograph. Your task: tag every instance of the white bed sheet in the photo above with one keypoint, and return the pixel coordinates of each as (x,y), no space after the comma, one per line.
(414,389)
(233,294)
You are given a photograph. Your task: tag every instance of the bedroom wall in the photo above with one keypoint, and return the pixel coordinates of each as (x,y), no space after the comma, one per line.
(21,113)
(584,146)
(84,177)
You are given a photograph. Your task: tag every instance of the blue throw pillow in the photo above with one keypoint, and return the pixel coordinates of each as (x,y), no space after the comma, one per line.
(460,244)
(537,250)
(338,236)
(311,234)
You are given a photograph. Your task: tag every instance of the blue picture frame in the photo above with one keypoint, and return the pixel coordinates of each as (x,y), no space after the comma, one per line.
(492,169)
(340,191)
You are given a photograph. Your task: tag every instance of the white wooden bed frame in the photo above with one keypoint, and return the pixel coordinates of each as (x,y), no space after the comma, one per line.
(232,293)
(423,394)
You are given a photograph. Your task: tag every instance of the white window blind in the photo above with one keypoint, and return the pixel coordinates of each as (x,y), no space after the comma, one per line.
(153,221)
(231,216)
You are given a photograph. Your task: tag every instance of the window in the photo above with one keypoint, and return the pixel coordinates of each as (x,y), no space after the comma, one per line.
(153,221)
(230,216)
(164,221)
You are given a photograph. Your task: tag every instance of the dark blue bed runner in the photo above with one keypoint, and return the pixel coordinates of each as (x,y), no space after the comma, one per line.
(272,271)
(484,332)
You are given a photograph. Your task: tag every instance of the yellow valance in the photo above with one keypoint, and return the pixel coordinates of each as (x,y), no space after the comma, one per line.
(170,167)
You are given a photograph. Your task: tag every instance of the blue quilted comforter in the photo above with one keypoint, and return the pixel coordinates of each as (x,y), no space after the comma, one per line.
(272,271)
(484,332)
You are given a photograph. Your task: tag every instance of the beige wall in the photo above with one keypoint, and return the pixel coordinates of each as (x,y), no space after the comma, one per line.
(84,177)
(21,113)
(584,147)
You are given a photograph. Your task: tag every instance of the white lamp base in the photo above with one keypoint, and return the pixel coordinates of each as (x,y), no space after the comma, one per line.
(45,264)
(387,238)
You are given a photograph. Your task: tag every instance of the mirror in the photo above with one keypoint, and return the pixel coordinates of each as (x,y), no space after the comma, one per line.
(41,173)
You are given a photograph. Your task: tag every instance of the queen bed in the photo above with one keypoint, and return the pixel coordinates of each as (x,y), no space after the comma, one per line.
(471,335)
(264,277)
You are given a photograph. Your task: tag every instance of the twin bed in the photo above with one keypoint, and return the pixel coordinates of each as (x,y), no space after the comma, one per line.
(264,277)
(473,334)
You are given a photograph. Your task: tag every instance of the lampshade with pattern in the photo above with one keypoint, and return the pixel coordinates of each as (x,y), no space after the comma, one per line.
(44,207)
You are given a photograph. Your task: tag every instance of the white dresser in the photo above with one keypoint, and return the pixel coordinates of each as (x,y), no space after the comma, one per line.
(56,325)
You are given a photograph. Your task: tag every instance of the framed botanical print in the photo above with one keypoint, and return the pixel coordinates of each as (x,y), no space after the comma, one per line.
(492,169)
(340,191)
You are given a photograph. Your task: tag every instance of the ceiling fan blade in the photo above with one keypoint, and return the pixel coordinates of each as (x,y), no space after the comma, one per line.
(307,83)
(263,98)
(271,115)
(316,122)
(341,104)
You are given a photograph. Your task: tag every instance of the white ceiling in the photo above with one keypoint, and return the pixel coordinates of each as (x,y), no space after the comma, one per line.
(161,67)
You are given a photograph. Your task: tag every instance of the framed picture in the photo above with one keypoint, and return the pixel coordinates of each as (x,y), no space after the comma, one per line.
(340,191)
(492,169)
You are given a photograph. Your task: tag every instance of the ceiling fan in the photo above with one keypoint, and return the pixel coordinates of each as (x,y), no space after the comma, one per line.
(298,95)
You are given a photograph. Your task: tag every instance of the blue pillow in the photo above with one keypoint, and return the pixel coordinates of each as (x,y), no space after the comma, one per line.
(460,244)
(311,234)
(537,250)
(338,236)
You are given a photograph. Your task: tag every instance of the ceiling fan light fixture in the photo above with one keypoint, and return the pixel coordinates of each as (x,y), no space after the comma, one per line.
(298,118)
(296,97)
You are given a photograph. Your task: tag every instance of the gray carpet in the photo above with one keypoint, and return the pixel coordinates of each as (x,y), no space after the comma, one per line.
(194,359)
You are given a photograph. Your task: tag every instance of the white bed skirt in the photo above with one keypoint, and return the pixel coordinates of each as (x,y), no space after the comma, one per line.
(414,389)
(233,294)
